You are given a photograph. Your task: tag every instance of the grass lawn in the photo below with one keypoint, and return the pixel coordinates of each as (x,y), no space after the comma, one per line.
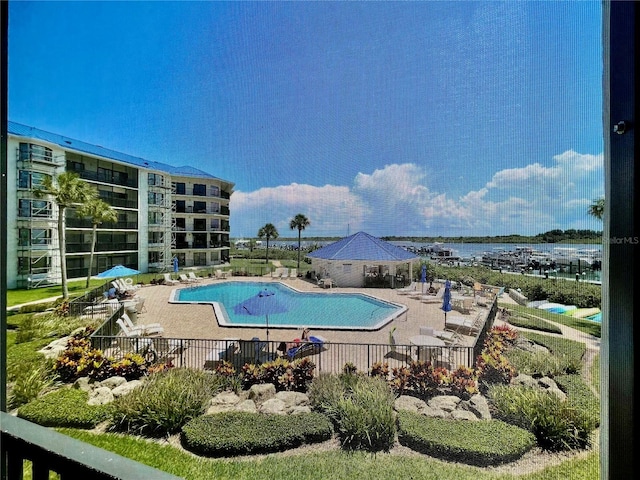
(321,466)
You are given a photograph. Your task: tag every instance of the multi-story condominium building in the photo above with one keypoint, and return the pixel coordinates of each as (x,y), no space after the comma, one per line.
(163,211)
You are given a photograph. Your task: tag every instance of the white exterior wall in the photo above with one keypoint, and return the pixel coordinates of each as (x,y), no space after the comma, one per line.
(143,220)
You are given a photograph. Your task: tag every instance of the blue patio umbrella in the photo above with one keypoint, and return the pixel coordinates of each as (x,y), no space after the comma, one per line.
(446,300)
(175,264)
(423,276)
(118,271)
(264,303)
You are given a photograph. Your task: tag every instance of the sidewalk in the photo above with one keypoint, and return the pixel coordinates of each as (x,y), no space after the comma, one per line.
(42,300)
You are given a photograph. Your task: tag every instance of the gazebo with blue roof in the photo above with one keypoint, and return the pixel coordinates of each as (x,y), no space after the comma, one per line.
(354,260)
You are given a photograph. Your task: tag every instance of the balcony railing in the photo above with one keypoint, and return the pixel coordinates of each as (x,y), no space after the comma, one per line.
(112,179)
(51,452)
(101,247)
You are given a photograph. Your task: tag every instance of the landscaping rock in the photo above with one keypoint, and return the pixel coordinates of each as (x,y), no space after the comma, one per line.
(448,403)
(263,392)
(273,406)
(478,406)
(292,399)
(409,403)
(228,399)
(55,348)
(113,382)
(100,396)
(463,415)
(125,388)
(84,384)
(246,406)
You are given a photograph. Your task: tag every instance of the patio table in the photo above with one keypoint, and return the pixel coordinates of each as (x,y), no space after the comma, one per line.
(428,346)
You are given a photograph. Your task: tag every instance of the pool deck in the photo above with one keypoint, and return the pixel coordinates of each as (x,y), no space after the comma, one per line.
(199,322)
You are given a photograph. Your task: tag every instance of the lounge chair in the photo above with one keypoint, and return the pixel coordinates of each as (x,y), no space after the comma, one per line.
(128,332)
(284,273)
(168,280)
(460,323)
(194,278)
(149,330)
(437,298)
(128,284)
(325,282)
(411,288)
(314,345)
(140,308)
(184,279)
(293,273)
(218,274)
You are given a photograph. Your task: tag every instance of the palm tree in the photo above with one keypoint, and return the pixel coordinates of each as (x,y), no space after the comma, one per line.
(67,190)
(268,231)
(596,209)
(99,212)
(300,222)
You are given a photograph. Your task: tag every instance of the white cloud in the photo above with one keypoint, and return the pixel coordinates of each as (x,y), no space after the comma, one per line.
(330,209)
(394,200)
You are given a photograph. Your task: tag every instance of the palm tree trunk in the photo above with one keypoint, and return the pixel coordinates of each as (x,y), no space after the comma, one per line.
(93,246)
(267,251)
(299,233)
(63,252)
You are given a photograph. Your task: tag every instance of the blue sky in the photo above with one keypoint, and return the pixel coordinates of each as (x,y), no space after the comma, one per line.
(410,118)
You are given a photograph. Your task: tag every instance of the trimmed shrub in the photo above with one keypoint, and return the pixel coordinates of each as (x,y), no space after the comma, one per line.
(242,433)
(557,424)
(281,372)
(165,402)
(66,407)
(482,443)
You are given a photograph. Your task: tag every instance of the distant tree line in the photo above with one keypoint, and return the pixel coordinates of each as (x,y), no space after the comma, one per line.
(552,236)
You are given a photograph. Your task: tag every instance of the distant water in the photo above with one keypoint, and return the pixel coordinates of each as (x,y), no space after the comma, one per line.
(475,250)
(465,250)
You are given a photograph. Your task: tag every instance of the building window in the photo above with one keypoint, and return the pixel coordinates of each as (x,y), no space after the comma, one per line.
(181,188)
(34,208)
(200,258)
(215,191)
(156,218)
(28,265)
(199,207)
(154,257)
(32,151)
(28,179)
(215,224)
(155,180)
(156,198)
(199,189)
(181,224)
(215,207)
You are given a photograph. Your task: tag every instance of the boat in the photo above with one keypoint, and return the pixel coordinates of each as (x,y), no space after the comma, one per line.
(441,253)
(572,258)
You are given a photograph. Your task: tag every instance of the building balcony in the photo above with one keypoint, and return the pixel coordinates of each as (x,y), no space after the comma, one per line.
(106,178)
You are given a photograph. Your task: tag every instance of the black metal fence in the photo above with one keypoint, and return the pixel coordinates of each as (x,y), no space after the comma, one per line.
(329,357)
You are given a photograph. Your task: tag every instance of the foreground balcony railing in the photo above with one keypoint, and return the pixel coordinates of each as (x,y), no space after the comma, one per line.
(27,446)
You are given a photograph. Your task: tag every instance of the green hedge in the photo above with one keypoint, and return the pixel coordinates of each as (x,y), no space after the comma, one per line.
(241,433)
(482,443)
(66,407)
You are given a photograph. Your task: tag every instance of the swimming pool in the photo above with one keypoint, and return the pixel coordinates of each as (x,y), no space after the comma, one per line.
(346,311)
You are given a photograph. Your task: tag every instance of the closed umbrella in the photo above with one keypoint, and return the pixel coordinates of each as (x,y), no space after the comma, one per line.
(423,276)
(264,304)
(446,300)
(175,264)
(118,271)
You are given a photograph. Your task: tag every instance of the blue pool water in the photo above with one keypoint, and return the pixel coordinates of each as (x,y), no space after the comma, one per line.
(350,311)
